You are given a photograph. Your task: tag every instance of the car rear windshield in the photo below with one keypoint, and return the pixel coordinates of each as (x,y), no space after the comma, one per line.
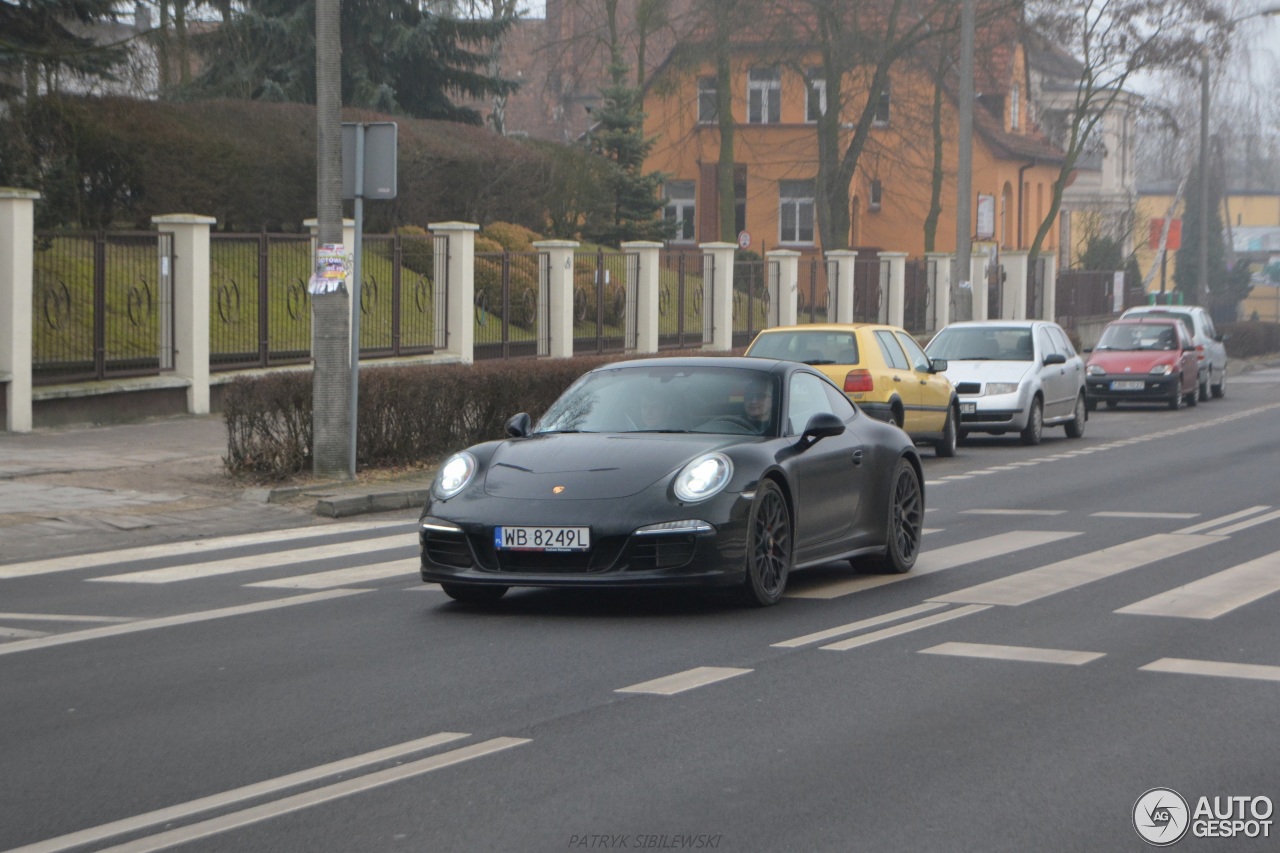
(1188,321)
(810,347)
(982,343)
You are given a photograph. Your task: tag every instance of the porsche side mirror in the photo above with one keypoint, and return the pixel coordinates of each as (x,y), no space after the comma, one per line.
(519,425)
(822,425)
(1054,358)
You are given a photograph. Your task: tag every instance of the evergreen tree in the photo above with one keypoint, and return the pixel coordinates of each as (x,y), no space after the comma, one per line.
(36,44)
(397,57)
(1188,256)
(618,136)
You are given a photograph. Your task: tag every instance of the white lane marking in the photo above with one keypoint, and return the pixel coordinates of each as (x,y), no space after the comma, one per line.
(297,802)
(62,617)
(424,587)
(1243,525)
(22,633)
(1013,512)
(1210,597)
(1034,584)
(1226,519)
(184,549)
(238,795)
(904,628)
(1015,653)
(171,621)
(938,560)
(1222,669)
(1170,515)
(669,685)
(853,627)
(213,568)
(346,577)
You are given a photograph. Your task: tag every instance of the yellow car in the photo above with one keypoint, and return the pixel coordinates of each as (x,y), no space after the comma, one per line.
(881,368)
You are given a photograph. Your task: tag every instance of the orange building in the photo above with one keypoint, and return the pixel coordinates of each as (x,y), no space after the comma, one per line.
(776,145)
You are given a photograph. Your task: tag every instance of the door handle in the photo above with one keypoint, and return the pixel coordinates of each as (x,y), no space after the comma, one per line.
(897,378)
(857,457)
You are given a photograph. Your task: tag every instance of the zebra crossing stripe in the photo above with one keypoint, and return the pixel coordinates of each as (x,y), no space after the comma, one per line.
(1211,597)
(346,577)
(192,571)
(1068,574)
(187,549)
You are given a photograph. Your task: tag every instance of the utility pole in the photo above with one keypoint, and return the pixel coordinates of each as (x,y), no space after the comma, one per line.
(964,176)
(330,307)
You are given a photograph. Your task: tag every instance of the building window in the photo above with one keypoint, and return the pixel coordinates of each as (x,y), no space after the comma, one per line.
(764,96)
(816,103)
(795,211)
(1015,107)
(882,108)
(680,208)
(706,100)
(877,193)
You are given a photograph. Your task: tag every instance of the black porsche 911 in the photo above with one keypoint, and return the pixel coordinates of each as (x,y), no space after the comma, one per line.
(726,472)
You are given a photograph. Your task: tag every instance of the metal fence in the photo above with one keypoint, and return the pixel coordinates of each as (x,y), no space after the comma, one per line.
(260,313)
(755,298)
(680,299)
(816,278)
(403,295)
(102,305)
(1084,293)
(604,301)
(512,311)
(918,310)
(870,284)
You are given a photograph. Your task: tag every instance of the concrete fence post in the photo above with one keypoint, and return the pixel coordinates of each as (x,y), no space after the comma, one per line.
(190,303)
(1013,295)
(978,276)
(646,292)
(461,321)
(788,262)
(896,298)
(558,295)
(17,247)
(840,291)
(717,297)
(940,295)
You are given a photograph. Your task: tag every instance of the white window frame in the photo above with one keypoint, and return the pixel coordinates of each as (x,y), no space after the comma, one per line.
(876,195)
(681,207)
(707,90)
(816,86)
(764,96)
(884,107)
(800,197)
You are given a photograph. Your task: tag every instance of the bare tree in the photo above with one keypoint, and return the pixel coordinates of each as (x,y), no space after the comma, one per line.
(1112,41)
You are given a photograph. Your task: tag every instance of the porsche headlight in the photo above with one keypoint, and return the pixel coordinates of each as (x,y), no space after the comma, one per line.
(703,478)
(1161,370)
(1002,387)
(454,475)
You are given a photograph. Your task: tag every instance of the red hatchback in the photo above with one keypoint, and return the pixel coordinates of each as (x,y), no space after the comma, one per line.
(1143,360)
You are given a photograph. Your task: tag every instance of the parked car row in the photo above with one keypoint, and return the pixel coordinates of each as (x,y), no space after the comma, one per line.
(732,472)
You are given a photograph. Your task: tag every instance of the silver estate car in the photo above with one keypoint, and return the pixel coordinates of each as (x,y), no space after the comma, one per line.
(1013,376)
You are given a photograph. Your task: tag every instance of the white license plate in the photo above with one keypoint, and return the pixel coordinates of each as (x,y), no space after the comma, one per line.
(1128,385)
(542,538)
(968,408)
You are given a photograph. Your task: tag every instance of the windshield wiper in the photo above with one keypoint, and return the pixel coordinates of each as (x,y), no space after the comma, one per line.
(656,430)
(811,362)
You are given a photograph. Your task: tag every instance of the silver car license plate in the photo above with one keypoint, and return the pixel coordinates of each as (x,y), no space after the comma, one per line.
(542,538)
(968,408)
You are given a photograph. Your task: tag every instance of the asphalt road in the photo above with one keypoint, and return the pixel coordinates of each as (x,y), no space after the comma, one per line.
(1091,619)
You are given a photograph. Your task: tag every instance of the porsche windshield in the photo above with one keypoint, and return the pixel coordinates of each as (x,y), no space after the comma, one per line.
(666,399)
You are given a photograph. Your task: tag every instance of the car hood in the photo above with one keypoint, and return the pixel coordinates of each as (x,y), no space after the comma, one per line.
(986,371)
(590,466)
(1134,361)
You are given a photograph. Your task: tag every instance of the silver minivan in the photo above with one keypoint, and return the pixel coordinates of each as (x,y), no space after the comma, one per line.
(1210,350)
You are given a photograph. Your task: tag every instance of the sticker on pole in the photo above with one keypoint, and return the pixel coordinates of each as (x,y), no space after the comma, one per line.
(330,275)
(744,239)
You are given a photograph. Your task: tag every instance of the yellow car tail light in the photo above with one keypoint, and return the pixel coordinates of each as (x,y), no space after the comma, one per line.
(859,381)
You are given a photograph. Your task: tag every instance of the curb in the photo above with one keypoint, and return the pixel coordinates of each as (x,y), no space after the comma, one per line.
(347,505)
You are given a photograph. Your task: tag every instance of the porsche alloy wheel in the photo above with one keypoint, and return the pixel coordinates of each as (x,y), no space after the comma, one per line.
(768,547)
(906,521)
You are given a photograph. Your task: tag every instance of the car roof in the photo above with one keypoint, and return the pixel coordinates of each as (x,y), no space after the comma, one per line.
(997,324)
(830,327)
(761,365)
(1145,321)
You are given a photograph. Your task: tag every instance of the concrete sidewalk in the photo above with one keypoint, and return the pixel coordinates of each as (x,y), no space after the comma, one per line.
(62,489)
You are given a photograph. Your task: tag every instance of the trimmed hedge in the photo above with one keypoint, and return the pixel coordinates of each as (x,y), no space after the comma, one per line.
(1251,338)
(408,416)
